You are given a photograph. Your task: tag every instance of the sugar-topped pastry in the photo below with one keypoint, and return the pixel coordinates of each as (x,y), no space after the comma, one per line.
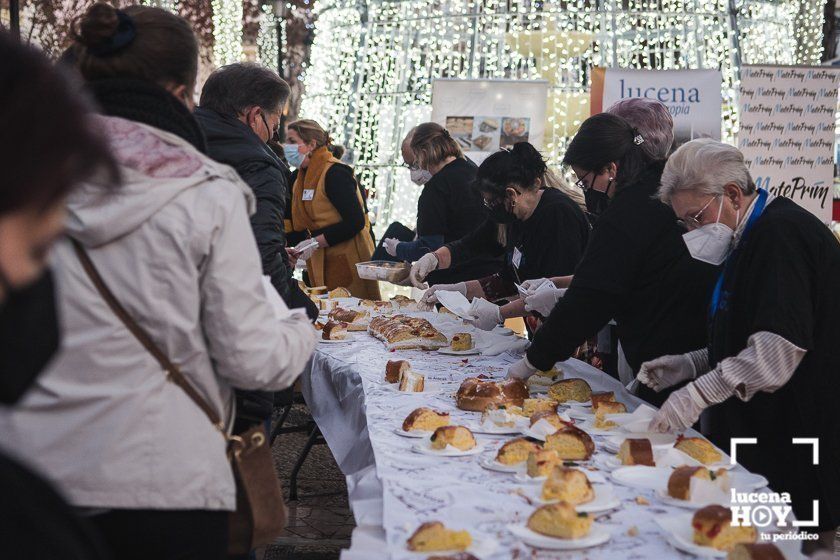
(560,520)
(574,389)
(602,397)
(532,406)
(516,451)
(568,485)
(571,443)
(636,451)
(713,527)
(461,342)
(339,293)
(476,394)
(456,436)
(602,408)
(394,370)
(425,420)
(541,462)
(698,448)
(501,415)
(433,536)
(412,382)
(334,330)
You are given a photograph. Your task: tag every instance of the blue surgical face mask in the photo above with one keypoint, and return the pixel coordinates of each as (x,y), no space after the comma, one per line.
(293,155)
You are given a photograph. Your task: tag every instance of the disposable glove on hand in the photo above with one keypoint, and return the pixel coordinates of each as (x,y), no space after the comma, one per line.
(487,315)
(521,370)
(421,268)
(430,297)
(531,286)
(680,411)
(666,371)
(307,253)
(544,299)
(390,245)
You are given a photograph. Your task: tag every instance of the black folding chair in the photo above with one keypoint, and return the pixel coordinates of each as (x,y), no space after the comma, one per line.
(284,401)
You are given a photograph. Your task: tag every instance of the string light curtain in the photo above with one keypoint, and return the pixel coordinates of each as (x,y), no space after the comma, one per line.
(369,78)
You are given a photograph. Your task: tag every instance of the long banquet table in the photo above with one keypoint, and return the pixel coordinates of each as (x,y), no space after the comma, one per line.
(392,489)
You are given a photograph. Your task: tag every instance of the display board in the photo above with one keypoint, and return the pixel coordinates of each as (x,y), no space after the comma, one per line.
(692,96)
(486,115)
(787,132)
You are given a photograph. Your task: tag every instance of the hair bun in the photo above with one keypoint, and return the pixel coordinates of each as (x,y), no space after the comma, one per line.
(98,26)
(529,157)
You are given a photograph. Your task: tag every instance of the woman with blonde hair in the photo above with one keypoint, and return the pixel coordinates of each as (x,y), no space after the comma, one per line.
(327,206)
(448,207)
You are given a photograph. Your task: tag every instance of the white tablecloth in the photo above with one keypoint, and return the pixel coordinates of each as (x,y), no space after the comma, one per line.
(395,489)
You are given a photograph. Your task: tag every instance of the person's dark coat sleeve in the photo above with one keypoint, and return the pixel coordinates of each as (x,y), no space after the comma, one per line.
(342,191)
(482,241)
(269,186)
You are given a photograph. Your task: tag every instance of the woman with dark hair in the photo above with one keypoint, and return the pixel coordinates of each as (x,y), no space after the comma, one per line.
(534,220)
(447,210)
(126,445)
(636,268)
(46,150)
(328,206)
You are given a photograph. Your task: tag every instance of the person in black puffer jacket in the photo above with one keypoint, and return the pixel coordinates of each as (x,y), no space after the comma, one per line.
(240,111)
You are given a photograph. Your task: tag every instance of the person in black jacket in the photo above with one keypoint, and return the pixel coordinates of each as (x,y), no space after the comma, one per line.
(534,219)
(636,268)
(240,110)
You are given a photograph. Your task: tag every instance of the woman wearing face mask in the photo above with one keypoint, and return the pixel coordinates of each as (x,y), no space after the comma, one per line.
(447,210)
(36,521)
(173,243)
(636,268)
(769,369)
(327,206)
(534,220)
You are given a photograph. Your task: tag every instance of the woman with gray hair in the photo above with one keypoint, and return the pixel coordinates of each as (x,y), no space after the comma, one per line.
(769,371)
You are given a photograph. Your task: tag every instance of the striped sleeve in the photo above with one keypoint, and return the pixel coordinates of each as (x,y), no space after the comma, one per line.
(766,364)
(700,360)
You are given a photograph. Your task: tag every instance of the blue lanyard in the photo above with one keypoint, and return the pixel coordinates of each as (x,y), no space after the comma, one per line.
(756,213)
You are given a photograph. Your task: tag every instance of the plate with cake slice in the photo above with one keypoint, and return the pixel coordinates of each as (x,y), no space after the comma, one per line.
(494,465)
(707,532)
(604,498)
(414,434)
(449,441)
(451,352)
(657,440)
(560,527)
(425,448)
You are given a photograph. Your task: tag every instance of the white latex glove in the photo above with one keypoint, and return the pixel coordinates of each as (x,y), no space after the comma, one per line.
(666,371)
(521,370)
(680,411)
(531,286)
(307,253)
(390,245)
(544,299)
(487,315)
(421,268)
(430,297)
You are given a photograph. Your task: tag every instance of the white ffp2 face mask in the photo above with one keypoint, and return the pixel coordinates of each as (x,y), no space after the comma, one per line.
(420,176)
(710,243)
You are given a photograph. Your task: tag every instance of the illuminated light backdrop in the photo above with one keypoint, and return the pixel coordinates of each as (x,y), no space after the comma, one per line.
(369,79)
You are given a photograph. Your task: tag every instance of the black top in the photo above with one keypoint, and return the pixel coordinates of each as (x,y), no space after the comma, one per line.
(784,279)
(231,142)
(638,271)
(450,207)
(341,187)
(549,243)
(37,523)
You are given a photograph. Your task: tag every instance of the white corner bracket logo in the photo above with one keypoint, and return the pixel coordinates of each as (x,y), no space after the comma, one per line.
(765,509)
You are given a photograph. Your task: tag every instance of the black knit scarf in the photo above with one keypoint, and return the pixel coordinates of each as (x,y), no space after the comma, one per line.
(150,104)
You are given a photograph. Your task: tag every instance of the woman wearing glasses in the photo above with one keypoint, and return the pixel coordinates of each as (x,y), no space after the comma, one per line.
(447,210)
(534,220)
(636,268)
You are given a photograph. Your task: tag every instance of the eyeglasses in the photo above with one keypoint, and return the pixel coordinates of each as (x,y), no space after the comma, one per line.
(491,204)
(409,166)
(693,222)
(581,183)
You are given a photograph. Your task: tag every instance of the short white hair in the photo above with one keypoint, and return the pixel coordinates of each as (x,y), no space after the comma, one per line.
(705,166)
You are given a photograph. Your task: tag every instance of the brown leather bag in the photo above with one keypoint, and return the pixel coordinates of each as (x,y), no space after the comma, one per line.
(260,514)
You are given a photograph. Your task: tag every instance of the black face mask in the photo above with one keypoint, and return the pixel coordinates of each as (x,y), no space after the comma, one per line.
(597,201)
(29,335)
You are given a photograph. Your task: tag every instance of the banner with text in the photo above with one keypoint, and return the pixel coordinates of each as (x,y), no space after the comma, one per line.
(484,116)
(692,96)
(787,132)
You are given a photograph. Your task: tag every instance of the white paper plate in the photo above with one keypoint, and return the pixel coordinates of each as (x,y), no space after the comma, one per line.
(416,434)
(580,414)
(427,388)
(451,352)
(528,432)
(589,428)
(481,547)
(724,463)
(344,341)
(504,331)
(613,443)
(424,448)
(663,496)
(494,465)
(525,479)
(493,430)
(605,498)
(608,463)
(577,404)
(679,534)
(597,535)
(640,476)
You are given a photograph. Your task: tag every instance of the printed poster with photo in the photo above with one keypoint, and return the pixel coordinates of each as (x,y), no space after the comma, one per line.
(486,115)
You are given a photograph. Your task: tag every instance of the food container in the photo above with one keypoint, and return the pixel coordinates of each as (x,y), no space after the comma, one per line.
(385,271)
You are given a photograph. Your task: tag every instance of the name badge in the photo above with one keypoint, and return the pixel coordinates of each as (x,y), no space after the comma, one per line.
(517,257)
(308,194)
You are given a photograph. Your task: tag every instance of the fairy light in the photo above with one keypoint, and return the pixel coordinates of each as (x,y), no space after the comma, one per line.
(227,31)
(372,64)
(267,37)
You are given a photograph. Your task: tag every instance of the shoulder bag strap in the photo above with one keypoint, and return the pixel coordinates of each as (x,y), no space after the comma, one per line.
(173,373)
